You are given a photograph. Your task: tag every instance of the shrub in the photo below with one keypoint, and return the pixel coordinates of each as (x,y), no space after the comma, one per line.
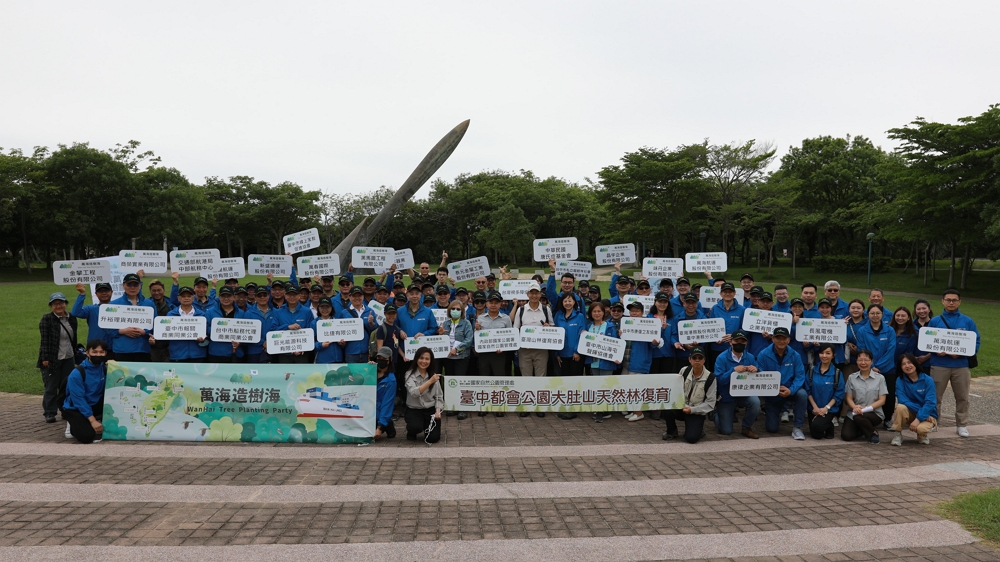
(850,264)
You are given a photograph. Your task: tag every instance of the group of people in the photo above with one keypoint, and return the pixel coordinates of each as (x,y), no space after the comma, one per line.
(876,381)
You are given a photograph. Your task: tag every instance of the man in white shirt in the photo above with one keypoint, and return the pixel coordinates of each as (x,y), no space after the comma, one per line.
(533,361)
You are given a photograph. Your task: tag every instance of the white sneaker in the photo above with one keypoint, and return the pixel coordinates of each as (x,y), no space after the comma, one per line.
(934,429)
(925,441)
(784,417)
(98,440)
(798,435)
(68,434)
(898,440)
(635,417)
(836,422)
(963,431)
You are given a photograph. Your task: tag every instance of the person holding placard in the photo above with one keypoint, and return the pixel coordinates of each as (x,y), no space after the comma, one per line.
(618,288)
(224,351)
(916,402)
(424,398)
(617,313)
(864,396)
(825,308)
(493,364)
(186,351)
(779,357)
(277,299)
(415,319)
(760,340)
(203,297)
(357,351)
(387,335)
(83,408)
(327,352)
(732,313)
(569,363)
(385,394)
(755,292)
(92,312)
(825,386)
(459,332)
(343,300)
(692,310)
(922,311)
(132,344)
(663,357)
(292,316)
(241,294)
(600,323)
(639,354)
(533,362)
(160,351)
(877,337)
(442,297)
(700,395)
(736,359)
(566,284)
(953,369)
(261,310)
(56,353)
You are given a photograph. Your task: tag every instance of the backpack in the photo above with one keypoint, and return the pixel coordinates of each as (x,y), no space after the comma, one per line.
(373,344)
(708,382)
(545,312)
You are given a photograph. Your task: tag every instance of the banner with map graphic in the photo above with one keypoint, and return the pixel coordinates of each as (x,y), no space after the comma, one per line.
(232,402)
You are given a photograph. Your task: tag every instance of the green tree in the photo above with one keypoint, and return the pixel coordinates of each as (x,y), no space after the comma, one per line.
(731,169)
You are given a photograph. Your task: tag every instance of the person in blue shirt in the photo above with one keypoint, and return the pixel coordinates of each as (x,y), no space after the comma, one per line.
(92,312)
(342,300)
(731,312)
(132,344)
(825,386)
(746,283)
(663,357)
(781,302)
(415,319)
(840,307)
(811,310)
(916,402)
(566,285)
(203,298)
(779,357)
(683,287)
(187,351)
(796,308)
(385,394)
(261,311)
(952,368)
(855,320)
(327,352)
(735,359)
(83,409)
(906,334)
(622,287)
(640,354)
(292,316)
(759,341)
(877,337)
(224,351)
(691,310)
(569,363)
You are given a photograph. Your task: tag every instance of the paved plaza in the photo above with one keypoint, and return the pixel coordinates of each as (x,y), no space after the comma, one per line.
(493,489)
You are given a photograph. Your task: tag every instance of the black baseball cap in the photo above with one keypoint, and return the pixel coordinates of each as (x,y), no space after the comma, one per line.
(324,301)
(185,289)
(413,287)
(584,283)
(327,278)
(316,288)
(461,291)
(491,275)
(226,291)
(399,297)
(103,287)
(399,284)
(494,296)
(479,296)
(697,351)
(344,280)
(262,290)
(689,297)
(426,284)
(780,331)
(278,284)
(130,278)
(824,301)
(389,308)
(746,276)
(727,286)
(355,291)
(739,334)
(765,296)
(643,282)
(371,280)
(623,280)
(756,290)
(682,280)
(251,286)
(381,288)
(661,296)
(197,280)
(429,299)
(635,304)
(618,305)
(666,281)
(442,289)
(241,290)
(233,279)
(796,301)
(696,286)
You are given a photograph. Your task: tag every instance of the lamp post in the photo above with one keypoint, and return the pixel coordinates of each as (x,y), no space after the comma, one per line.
(871,236)
(702,236)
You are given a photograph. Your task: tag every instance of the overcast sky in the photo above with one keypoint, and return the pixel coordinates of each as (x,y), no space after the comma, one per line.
(345,97)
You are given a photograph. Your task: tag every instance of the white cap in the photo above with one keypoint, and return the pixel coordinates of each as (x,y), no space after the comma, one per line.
(533,286)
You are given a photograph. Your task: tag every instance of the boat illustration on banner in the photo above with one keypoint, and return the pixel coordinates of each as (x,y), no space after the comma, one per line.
(317,403)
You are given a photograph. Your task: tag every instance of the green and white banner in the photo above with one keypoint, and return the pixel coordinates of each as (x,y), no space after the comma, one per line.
(232,402)
(626,393)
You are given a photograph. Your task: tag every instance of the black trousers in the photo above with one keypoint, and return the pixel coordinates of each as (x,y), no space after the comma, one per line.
(493,365)
(54,378)
(820,426)
(290,358)
(418,420)
(221,359)
(662,365)
(694,424)
(867,424)
(455,367)
(79,426)
(889,408)
(570,368)
(137,357)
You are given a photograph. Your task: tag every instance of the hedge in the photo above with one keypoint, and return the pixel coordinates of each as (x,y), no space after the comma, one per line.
(850,264)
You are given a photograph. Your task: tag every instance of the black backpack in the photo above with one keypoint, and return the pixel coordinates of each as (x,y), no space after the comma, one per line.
(708,382)
(836,377)
(545,312)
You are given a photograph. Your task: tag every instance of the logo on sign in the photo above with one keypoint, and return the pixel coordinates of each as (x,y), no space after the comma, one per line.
(112,309)
(931,332)
(164,320)
(650,262)
(483,335)
(453,383)
(807,322)
(306,260)
(223,322)
(180,255)
(630,321)
(543,243)
(754,313)
(602,249)
(529,330)
(694,256)
(289,238)
(589,337)
(414,342)
(563,264)
(742,377)
(688,325)
(66,266)
(275,336)
(326,324)
(258,258)
(129,254)
(361,250)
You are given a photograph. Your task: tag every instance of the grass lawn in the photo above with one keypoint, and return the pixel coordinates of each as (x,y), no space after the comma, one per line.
(23,300)
(977,512)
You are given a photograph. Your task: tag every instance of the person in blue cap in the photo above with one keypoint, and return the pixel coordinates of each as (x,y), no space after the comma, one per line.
(132,344)
(92,312)
(779,357)
(736,359)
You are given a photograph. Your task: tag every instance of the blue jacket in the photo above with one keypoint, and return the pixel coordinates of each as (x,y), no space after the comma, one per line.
(811,312)
(574,326)
(842,310)
(641,356)
(797,346)
(82,395)
(612,332)
(782,306)
(368,321)
(904,344)
(187,349)
(733,318)
(854,336)
(332,353)
(91,313)
(820,386)
(125,344)
(919,396)
(554,297)
(420,322)
(723,370)
(666,348)
(222,348)
(675,335)
(283,318)
(882,344)
(385,400)
(757,343)
(793,373)
(952,321)
(255,313)
(213,300)
(463,337)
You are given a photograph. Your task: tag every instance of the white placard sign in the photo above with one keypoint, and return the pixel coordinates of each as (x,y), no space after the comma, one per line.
(379,310)
(821,330)
(469,269)
(705,330)
(404,259)
(323,264)
(336,329)
(640,329)
(615,253)
(278,265)
(601,347)
(301,241)
(118,316)
(705,261)
(514,289)
(195,262)
(229,268)
(242,330)
(149,261)
(290,341)
(943,340)
(370,257)
(179,328)
(439,346)
(555,249)
(648,301)
(440,315)
(81,271)
(709,296)
(659,268)
(116,280)
(497,339)
(543,337)
(765,321)
(581,270)
(761,383)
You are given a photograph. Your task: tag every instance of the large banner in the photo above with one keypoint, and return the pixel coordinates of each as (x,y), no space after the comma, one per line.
(234,402)
(627,393)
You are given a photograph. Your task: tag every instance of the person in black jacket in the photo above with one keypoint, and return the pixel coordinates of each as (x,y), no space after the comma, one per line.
(56,354)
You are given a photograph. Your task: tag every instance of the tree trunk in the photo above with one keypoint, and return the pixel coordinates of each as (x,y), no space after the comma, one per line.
(951,267)
(795,244)
(927,253)
(933,262)
(907,268)
(965,265)
(24,250)
(676,246)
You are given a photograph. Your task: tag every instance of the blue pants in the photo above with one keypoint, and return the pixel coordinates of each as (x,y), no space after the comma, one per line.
(774,405)
(726,411)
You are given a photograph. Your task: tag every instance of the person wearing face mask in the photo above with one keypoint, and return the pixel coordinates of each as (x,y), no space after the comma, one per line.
(735,359)
(459,331)
(84,404)
(385,397)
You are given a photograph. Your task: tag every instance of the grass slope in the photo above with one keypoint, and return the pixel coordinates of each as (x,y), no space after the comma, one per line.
(977,512)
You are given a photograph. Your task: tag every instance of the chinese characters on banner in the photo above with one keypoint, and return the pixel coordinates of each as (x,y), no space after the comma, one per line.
(370,257)
(601,347)
(581,270)
(555,249)
(195,262)
(262,264)
(149,261)
(761,383)
(640,329)
(301,241)
(705,261)
(403,259)
(497,339)
(653,268)
(704,330)
(615,253)
(242,330)
(180,328)
(514,289)
(648,301)
(290,341)
(336,329)
(81,271)
(229,268)
(821,330)
(765,321)
(542,337)
(439,346)
(469,269)
(118,316)
(952,342)
(323,264)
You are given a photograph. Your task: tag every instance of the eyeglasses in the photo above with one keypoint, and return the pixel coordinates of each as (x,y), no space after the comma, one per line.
(833,290)
(697,358)
(952,300)
(132,284)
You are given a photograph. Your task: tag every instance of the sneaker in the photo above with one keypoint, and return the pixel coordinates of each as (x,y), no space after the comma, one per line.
(836,422)
(897,440)
(784,417)
(97,440)
(462,415)
(748,433)
(68,434)
(481,414)
(874,439)
(933,429)
(888,427)
(50,418)
(667,436)
(925,441)
(798,435)
(636,417)
(540,414)
(963,431)
(523,415)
